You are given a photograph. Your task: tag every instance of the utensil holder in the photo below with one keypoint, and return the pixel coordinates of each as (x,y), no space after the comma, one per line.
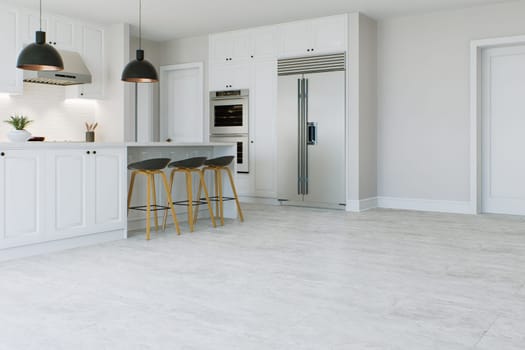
(90,136)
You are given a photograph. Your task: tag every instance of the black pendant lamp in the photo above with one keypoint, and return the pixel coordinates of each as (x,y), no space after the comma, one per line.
(39,55)
(140,70)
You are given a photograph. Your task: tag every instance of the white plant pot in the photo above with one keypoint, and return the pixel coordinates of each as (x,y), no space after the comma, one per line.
(18,135)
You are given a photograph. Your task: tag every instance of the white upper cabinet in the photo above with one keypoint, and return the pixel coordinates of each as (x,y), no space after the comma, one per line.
(11,77)
(231,47)
(61,32)
(296,38)
(30,24)
(92,51)
(243,45)
(312,37)
(265,42)
(330,34)
(230,77)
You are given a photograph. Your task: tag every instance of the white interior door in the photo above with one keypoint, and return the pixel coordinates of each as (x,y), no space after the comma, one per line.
(182,103)
(503,131)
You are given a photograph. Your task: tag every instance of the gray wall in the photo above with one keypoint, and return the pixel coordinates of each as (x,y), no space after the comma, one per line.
(424,67)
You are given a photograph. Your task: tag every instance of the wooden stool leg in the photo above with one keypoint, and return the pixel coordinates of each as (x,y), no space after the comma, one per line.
(131,184)
(216,179)
(169,200)
(230,175)
(203,185)
(154,191)
(221,204)
(148,201)
(189,195)
(170,203)
(196,214)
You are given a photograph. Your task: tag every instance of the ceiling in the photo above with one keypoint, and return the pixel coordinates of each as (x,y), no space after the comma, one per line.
(169,19)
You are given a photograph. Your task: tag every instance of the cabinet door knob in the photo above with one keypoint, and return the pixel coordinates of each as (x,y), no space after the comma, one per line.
(2,154)
(88,152)
(312,49)
(94,152)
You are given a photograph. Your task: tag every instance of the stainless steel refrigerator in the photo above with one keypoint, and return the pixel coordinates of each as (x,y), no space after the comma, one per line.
(311,131)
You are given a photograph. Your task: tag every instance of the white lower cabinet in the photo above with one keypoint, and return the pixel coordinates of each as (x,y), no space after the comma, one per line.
(68,185)
(108,174)
(52,194)
(87,191)
(22,197)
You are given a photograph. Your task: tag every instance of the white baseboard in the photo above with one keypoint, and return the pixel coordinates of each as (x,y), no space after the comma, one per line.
(442,206)
(258,200)
(61,244)
(361,205)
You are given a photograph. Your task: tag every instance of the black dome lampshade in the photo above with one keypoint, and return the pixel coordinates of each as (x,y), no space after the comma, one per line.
(140,70)
(39,55)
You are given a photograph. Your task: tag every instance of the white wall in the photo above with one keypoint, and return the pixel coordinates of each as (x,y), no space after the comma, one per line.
(423,86)
(54,117)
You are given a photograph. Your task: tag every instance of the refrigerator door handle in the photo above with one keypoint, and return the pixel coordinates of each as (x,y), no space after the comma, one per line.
(299,133)
(305,143)
(312,133)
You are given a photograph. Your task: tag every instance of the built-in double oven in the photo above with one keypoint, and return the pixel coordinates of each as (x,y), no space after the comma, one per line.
(229,123)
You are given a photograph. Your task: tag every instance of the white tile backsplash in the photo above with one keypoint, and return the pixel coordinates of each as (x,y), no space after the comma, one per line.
(54,117)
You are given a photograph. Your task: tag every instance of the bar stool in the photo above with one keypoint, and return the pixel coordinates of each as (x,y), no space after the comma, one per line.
(217,165)
(188,167)
(150,168)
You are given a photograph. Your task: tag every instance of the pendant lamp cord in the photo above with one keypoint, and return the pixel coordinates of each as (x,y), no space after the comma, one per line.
(40,15)
(140,24)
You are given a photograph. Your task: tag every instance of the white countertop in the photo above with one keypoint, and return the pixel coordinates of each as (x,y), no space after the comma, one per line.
(179,144)
(73,144)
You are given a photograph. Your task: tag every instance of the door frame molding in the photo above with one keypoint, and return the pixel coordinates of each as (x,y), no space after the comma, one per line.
(164,70)
(476,48)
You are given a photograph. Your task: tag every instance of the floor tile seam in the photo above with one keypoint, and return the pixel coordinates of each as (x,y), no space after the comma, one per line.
(475,346)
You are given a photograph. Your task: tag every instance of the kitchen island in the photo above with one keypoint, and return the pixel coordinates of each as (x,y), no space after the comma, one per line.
(60,195)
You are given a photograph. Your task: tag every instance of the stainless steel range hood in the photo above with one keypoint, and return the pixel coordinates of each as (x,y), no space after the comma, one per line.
(75,72)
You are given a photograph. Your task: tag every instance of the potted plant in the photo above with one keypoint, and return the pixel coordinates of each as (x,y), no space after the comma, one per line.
(20,134)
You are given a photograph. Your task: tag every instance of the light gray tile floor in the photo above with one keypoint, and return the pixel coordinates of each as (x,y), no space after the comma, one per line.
(287,278)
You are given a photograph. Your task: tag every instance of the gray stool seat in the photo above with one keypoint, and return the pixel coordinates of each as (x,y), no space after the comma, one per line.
(150,164)
(220,161)
(189,163)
